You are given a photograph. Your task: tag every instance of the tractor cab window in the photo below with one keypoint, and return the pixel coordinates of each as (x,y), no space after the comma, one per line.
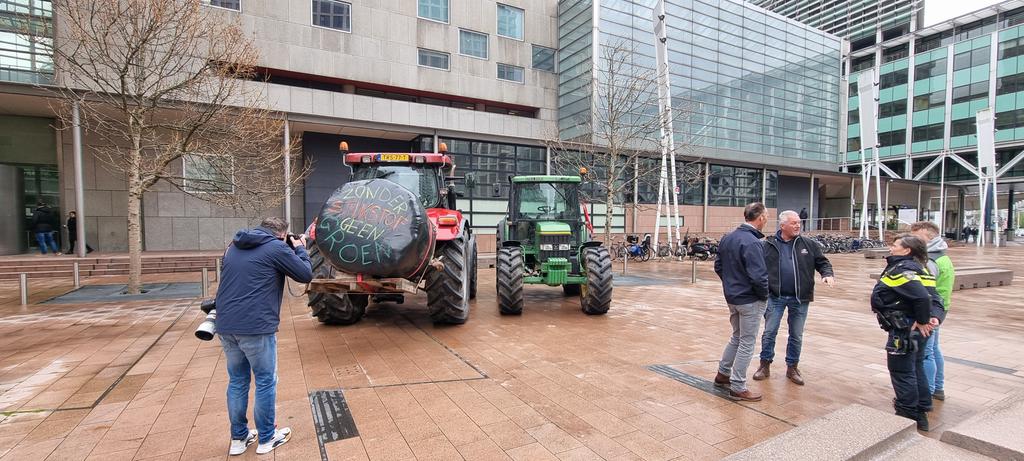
(555,201)
(422,181)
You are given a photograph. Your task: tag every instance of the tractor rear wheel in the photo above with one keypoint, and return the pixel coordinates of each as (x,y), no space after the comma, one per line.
(511,270)
(448,288)
(333,308)
(571,290)
(596,294)
(475,267)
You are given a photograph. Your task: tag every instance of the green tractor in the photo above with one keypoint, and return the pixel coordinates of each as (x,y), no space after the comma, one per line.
(546,239)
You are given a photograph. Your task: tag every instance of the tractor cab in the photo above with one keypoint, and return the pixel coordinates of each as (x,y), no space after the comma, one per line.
(423,174)
(545,218)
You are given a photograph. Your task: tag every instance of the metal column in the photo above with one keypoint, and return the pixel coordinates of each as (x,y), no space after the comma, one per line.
(287,172)
(76,135)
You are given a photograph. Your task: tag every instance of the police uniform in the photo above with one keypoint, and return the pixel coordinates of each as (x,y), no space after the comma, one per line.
(905,293)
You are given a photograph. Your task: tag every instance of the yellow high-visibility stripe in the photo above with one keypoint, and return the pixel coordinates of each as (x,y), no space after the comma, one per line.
(890,281)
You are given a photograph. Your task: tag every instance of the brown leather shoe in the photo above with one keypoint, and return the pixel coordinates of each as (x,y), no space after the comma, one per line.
(746,396)
(764,371)
(794,375)
(721,380)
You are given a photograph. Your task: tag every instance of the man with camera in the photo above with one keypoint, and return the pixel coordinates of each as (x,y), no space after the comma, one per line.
(248,313)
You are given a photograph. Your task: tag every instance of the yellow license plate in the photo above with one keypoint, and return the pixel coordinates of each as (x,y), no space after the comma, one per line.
(394,157)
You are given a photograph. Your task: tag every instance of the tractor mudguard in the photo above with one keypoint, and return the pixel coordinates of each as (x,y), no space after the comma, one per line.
(511,243)
(450,224)
(591,244)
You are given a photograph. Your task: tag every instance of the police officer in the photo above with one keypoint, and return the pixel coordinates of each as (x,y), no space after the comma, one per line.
(908,307)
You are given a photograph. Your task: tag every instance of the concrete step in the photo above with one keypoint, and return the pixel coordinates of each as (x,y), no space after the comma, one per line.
(920,447)
(997,431)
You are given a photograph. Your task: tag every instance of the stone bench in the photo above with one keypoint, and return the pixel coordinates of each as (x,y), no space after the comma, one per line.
(854,432)
(982,278)
(996,431)
(875,253)
(975,277)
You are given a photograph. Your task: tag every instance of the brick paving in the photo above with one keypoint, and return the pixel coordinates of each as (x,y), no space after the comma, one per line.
(129,381)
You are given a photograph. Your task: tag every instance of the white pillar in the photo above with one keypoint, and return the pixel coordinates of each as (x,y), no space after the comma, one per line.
(76,134)
(707,182)
(810,206)
(287,172)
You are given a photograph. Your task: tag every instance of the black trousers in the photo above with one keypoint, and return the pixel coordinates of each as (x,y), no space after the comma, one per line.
(908,380)
(72,239)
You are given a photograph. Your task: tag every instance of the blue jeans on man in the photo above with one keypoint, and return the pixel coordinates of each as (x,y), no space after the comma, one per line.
(45,240)
(934,363)
(251,356)
(778,305)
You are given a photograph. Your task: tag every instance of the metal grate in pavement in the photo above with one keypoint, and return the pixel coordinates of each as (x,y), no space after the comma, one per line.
(706,386)
(983,366)
(332,418)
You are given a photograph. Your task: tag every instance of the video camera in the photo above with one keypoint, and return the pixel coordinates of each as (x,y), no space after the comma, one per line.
(209,326)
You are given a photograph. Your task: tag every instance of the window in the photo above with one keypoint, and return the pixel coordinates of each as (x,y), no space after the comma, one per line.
(892,109)
(892,79)
(1010,119)
(229,4)
(1010,84)
(863,62)
(853,89)
(853,145)
(963,127)
(473,44)
(207,174)
(928,132)
(1011,18)
(892,138)
(332,14)
(930,69)
(970,92)
(1011,48)
(854,117)
(972,58)
(436,10)
(932,42)
(543,58)
(733,186)
(435,59)
(510,22)
(511,73)
(927,101)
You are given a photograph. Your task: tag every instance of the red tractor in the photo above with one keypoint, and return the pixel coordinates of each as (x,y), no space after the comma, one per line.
(393,230)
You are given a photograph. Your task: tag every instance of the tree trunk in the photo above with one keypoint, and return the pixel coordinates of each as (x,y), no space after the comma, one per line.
(609,206)
(134,238)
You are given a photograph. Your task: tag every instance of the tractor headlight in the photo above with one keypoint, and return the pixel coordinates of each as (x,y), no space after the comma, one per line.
(546,247)
(563,247)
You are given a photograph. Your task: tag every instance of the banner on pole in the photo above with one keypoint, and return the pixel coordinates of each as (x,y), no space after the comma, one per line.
(866,92)
(986,141)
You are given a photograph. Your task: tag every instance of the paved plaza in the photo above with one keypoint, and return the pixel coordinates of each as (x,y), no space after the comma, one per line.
(128,380)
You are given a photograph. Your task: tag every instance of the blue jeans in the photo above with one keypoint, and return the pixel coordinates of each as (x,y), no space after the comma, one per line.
(44,239)
(255,354)
(773,318)
(933,363)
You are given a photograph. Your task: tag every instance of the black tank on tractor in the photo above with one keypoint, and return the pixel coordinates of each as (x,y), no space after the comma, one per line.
(393,230)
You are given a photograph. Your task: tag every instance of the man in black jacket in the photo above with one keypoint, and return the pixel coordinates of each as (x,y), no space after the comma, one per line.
(792,261)
(741,267)
(44,222)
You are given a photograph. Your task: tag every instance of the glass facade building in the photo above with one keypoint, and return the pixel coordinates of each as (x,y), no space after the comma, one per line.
(852,19)
(757,87)
(927,101)
(26,58)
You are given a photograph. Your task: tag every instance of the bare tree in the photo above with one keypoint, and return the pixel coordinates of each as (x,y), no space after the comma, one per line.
(618,139)
(168,86)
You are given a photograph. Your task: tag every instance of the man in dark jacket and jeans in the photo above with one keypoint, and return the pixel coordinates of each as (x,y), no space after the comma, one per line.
(741,267)
(792,261)
(248,315)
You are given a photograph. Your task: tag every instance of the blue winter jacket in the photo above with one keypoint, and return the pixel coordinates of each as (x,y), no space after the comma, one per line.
(252,281)
(741,266)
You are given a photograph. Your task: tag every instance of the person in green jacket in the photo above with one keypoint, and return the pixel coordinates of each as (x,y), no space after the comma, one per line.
(941,267)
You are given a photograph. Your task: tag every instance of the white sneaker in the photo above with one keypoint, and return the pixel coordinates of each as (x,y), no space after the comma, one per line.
(280,437)
(239,446)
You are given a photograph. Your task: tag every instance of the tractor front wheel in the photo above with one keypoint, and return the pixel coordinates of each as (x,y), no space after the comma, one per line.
(333,308)
(596,294)
(511,270)
(448,288)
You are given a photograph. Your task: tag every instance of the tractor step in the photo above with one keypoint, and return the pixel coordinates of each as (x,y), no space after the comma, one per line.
(347,283)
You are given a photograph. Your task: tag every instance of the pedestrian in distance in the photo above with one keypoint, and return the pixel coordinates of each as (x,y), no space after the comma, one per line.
(907,307)
(44,223)
(941,267)
(72,227)
(803,217)
(791,261)
(741,267)
(248,315)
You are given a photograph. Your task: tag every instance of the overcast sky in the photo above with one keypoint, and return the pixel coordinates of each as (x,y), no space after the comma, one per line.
(940,10)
